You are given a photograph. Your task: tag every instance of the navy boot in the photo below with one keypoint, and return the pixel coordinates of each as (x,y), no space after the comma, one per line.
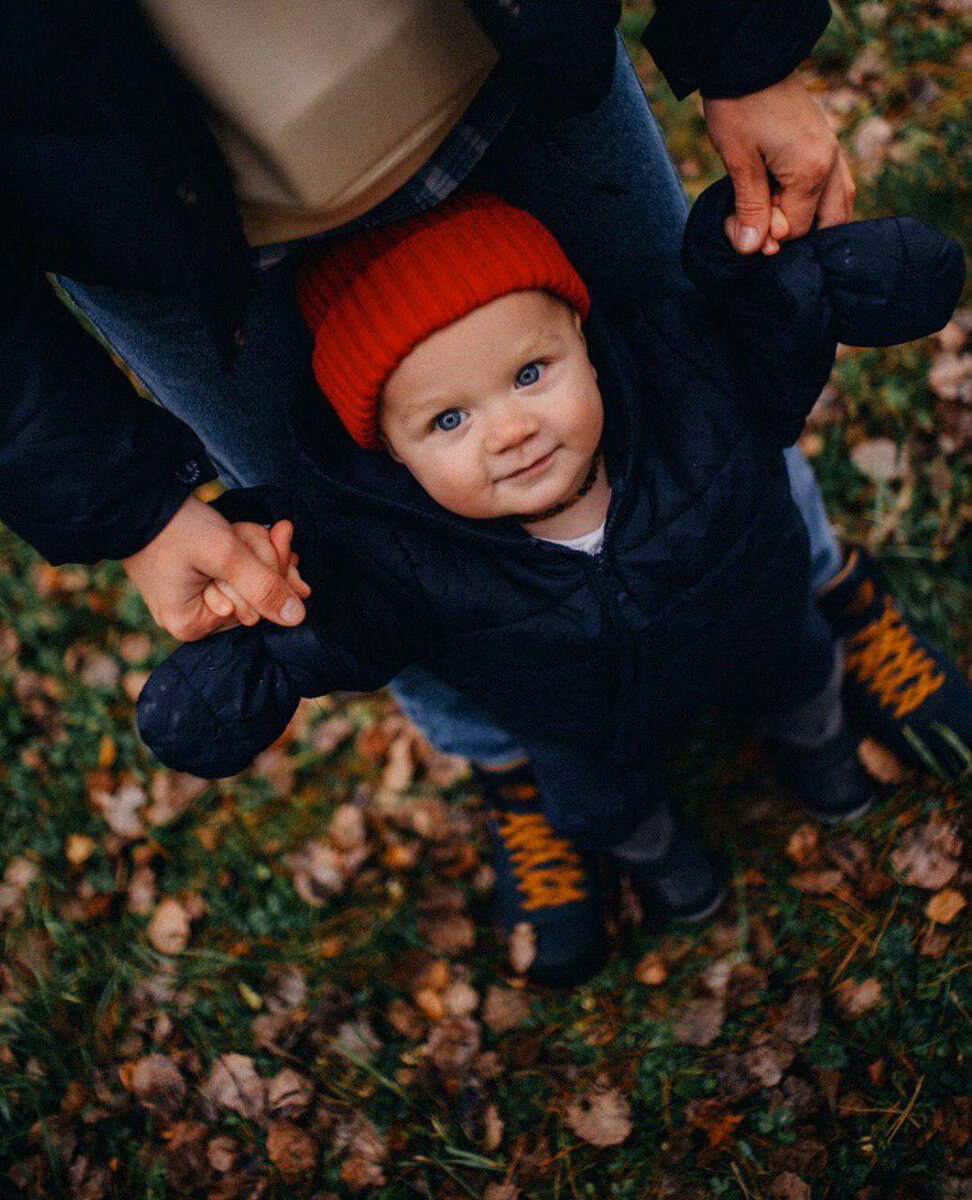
(898,689)
(544,880)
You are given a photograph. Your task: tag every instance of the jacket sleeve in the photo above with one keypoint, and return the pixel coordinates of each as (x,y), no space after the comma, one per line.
(868,283)
(557,55)
(213,705)
(88,469)
(727,48)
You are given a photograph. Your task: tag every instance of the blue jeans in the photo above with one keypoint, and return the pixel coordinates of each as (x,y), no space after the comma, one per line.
(605,186)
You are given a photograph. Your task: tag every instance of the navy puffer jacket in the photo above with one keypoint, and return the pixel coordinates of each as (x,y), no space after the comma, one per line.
(700,594)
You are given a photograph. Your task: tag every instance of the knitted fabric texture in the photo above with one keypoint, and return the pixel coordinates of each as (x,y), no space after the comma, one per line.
(370,300)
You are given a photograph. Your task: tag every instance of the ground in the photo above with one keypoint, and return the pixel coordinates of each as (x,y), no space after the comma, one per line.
(287,984)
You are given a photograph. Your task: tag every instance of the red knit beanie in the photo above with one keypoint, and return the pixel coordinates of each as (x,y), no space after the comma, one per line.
(371,299)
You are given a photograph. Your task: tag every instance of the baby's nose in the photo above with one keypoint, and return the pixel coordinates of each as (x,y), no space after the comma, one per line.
(508,427)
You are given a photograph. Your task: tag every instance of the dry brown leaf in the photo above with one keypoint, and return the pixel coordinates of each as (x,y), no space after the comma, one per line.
(347,828)
(289,1093)
(172,794)
(286,989)
(315,871)
(816,883)
(168,930)
(358,1038)
(460,999)
(854,999)
(122,809)
(927,855)
(222,1151)
(360,1174)
(78,848)
(141,891)
(601,1117)
(453,1044)
(523,947)
(882,764)
(790,1187)
(699,1021)
(651,970)
(504,1009)
(768,1058)
(871,140)
(330,734)
(713,1119)
(881,459)
(448,933)
(950,376)
(403,1018)
(800,1022)
(945,906)
(501,1191)
(400,767)
(233,1083)
(292,1151)
(803,846)
(157,1085)
(935,942)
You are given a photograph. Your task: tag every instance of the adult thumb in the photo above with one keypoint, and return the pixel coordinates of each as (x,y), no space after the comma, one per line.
(263,587)
(749,224)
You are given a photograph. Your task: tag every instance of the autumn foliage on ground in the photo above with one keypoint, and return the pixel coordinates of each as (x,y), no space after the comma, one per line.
(287,984)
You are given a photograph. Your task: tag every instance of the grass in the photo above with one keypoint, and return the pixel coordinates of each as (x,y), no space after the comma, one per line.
(866,1108)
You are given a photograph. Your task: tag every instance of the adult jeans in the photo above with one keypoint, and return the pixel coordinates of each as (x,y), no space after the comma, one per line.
(605,186)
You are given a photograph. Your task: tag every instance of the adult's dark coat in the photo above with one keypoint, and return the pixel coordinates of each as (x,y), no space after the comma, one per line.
(700,595)
(108,175)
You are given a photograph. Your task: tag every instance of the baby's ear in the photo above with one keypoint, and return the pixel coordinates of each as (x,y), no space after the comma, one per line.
(389,448)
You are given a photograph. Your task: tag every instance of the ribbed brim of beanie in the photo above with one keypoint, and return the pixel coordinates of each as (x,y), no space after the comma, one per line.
(370,300)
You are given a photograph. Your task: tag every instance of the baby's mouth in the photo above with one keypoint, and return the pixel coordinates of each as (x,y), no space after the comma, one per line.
(536,466)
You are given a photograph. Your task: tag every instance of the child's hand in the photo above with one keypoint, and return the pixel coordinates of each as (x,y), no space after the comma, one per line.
(272,547)
(779,228)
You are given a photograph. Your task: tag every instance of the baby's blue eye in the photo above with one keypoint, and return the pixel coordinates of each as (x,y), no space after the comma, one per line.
(450,419)
(528,375)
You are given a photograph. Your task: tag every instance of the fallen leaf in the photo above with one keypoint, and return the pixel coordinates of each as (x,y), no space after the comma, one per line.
(504,1009)
(803,845)
(651,970)
(927,855)
(523,947)
(78,848)
(141,891)
(713,1119)
(330,734)
(601,1117)
(854,999)
(945,906)
(800,1022)
(289,1093)
(790,1187)
(871,139)
(234,1084)
(121,809)
(699,1021)
(400,767)
(501,1191)
(881,764)
(460,999)
(403,1018)
(292,1151)
(881,459)
(453,1044)
(950,375)
(935,942)
(315,871)
(448,933)
(286,989)
(816,883)
(347,828)
(172,794)
(168,930)
(157,1085)
(768,1058)
(360,1173)
(222,1152)
(135,647)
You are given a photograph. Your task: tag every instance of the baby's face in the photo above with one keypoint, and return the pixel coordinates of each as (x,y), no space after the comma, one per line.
(498,414)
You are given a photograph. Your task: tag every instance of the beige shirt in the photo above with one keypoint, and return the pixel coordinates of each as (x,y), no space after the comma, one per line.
(323,108)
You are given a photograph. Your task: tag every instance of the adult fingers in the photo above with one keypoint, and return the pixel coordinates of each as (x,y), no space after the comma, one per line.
(837,198)
(240,609)
(800,192)
(216,600)
(749,224)
(259,585)
(281,535)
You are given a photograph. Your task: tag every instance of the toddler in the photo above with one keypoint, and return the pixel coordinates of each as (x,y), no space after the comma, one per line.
(581,521)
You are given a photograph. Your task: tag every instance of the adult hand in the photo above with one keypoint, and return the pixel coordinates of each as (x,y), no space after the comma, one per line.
(780,131)
(197,547)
